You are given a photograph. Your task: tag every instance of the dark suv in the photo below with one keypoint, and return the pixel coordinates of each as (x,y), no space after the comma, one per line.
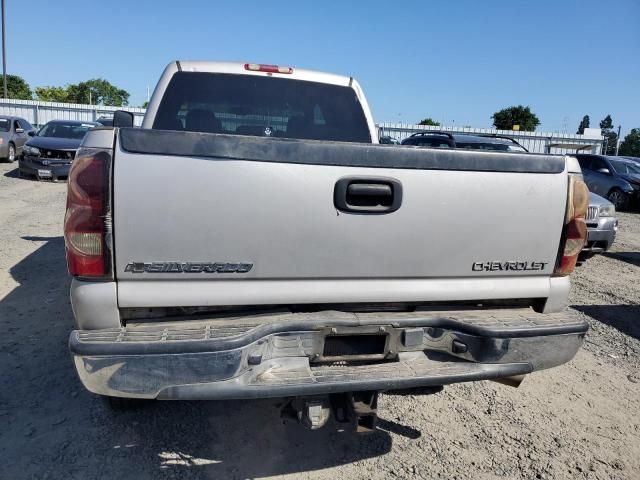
(614,178)
(439,139)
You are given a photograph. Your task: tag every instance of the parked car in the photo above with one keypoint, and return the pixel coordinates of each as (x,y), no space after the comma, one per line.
(49,154)
(433,139)
(387,140)
(615,178)
(215,265)
(105,121)
(439,139)
(14,132)
(602,226)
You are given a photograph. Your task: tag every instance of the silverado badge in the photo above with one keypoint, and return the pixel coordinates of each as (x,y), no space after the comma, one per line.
(188,267)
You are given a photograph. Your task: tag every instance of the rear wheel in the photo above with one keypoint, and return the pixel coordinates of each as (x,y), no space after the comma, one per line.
(619,199)
(11,153)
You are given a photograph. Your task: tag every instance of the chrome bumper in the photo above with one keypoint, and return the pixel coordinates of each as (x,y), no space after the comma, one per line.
(600,237)
(285,357)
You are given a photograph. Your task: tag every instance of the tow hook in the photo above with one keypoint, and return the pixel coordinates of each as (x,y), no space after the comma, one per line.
(359,409)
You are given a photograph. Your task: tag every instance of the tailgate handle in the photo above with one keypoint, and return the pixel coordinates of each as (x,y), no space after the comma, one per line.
(375,192)
(367,195)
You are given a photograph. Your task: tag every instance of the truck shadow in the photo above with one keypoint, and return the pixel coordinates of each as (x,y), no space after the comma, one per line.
(630,257)
(241,439)
(621,317)
(52,427)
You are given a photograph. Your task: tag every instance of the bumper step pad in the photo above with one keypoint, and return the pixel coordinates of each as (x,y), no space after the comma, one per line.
(232,331)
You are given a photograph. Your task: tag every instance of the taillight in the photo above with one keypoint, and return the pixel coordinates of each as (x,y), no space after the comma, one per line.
(260,67)
(574,232)
(87,222)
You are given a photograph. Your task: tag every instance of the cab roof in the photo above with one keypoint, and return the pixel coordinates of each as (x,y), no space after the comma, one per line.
(240,69)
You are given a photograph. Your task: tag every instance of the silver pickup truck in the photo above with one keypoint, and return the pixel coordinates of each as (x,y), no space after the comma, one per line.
(252,240)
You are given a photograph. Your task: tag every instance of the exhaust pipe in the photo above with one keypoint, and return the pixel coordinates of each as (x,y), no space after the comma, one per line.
(513,381)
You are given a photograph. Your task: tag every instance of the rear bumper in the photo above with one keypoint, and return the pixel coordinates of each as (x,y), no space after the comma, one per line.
(601,237)
(276,356)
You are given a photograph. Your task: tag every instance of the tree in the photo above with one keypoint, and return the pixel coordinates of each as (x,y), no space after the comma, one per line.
(52,94)
(145,104)
(606,124)
(98,91)
(18,88)
(630,146)
(583,124)
(429,121)
(506,118)
(611,137)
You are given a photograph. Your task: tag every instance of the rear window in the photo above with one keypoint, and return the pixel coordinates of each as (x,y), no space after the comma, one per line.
(5,125)
(261,106)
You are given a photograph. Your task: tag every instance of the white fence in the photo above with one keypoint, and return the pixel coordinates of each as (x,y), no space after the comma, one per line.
(535,142)
(39,113)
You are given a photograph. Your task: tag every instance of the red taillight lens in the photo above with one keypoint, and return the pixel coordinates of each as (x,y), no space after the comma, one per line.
(574,233)
(87,220)
(260,67)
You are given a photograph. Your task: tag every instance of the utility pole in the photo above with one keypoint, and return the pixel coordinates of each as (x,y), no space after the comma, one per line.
(618,140)
(4,56)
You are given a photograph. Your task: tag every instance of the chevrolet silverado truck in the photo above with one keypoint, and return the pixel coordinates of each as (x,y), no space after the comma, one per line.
(253,240)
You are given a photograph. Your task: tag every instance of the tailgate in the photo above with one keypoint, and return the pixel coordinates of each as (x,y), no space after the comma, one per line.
(204,219)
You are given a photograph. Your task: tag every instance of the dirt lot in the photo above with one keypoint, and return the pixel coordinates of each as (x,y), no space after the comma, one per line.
(581,420)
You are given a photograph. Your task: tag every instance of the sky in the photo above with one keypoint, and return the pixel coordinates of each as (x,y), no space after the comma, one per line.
(454,61)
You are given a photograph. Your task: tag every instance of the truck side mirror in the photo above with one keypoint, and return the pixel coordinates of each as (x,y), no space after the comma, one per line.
(122,119)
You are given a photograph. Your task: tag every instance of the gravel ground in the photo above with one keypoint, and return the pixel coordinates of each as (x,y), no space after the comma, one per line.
(581,420)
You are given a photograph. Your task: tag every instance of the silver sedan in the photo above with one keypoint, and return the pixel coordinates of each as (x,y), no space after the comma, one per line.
(14,132)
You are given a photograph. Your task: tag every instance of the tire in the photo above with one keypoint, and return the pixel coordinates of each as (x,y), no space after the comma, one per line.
(11,153)
(619,199)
